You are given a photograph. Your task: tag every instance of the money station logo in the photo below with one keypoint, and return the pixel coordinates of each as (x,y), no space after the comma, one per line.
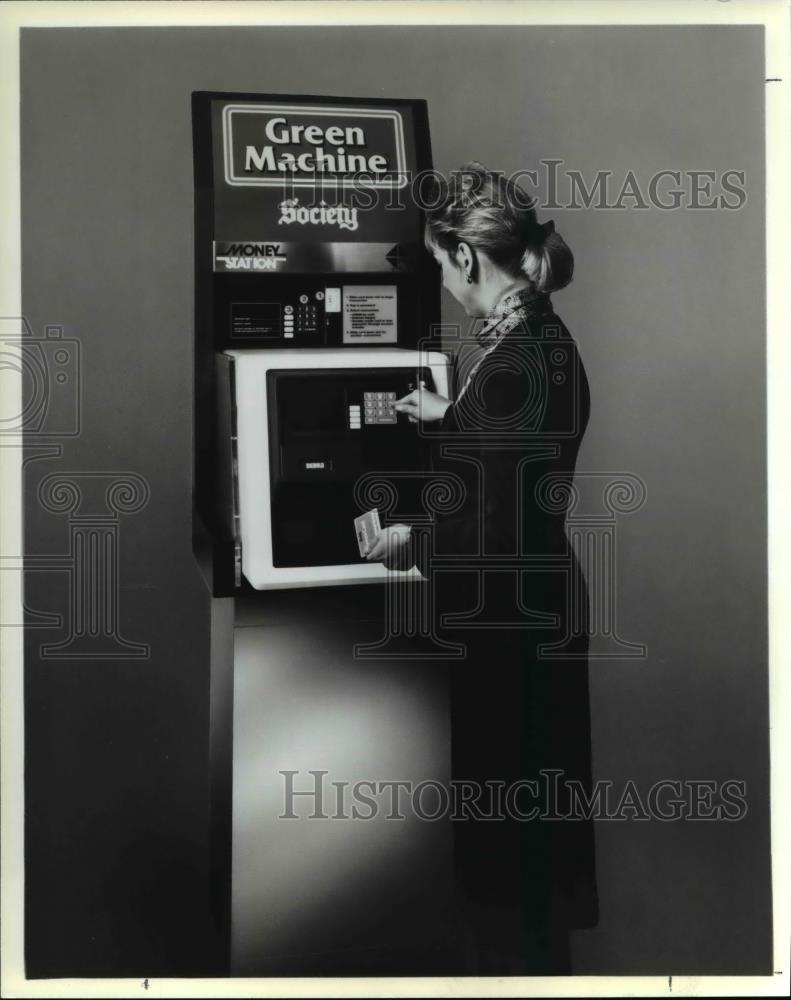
(249,256)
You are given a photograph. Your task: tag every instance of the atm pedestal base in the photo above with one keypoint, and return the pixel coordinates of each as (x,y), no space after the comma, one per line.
(334,867)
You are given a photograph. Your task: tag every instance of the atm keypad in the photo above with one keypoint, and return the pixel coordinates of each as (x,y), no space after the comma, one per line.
(302,318)
(380,407)
(307,315)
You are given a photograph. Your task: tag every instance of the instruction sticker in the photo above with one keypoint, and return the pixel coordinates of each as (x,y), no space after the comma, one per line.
(369,314)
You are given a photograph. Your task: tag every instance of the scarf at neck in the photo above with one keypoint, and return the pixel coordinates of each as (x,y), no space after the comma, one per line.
(510,311)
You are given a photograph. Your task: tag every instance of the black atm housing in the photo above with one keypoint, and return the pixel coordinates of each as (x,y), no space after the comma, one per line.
(239,310)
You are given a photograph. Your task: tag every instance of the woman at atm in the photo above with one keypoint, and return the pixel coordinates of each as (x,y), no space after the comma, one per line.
(520,720)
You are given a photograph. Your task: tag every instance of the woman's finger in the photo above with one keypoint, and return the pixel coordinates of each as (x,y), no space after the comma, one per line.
(409,403)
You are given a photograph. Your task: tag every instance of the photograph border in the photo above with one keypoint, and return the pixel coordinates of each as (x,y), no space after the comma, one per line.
(774,16)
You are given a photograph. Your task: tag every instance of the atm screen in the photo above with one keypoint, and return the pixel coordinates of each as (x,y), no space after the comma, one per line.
(312,407)
(256,319)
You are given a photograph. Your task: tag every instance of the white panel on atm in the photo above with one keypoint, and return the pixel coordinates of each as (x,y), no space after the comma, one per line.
(252,368)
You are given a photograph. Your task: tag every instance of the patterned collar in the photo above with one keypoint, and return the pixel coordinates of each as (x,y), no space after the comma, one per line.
(523,298)
(509,313)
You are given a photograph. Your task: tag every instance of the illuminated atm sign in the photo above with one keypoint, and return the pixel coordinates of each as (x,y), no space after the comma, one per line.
(265,145)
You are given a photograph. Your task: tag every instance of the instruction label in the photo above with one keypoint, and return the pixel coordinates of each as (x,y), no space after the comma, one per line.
(369,314)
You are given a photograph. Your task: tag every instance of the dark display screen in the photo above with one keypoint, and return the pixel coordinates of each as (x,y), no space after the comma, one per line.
(255,319)
(313,407)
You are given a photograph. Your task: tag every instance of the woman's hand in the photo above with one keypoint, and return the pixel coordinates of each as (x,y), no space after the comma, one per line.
(393,547)
(422,405)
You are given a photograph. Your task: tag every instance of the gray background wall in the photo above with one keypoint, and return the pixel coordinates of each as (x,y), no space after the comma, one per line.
(668,309)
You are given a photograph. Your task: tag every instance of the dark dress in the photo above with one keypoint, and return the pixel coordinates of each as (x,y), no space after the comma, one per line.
(519,708)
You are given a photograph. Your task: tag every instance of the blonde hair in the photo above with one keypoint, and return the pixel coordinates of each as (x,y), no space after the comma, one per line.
(494,215)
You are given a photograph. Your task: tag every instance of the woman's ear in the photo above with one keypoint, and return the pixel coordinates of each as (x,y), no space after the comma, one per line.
(465,260)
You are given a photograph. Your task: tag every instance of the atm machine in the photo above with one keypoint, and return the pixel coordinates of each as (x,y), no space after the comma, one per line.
(317,306)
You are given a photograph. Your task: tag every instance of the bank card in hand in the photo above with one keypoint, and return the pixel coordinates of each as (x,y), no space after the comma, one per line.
(367,527)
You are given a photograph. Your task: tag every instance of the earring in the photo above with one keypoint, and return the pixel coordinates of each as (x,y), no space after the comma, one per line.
(469,279)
